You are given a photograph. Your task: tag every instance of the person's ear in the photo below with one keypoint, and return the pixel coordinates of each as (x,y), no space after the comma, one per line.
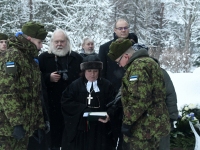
(29,38)
(126,56)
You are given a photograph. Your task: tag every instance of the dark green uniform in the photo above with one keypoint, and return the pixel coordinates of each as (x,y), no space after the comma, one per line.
(143,98)
(20,102)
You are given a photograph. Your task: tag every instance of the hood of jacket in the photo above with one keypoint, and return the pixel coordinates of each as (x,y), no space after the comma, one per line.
(137,54)
(24,45)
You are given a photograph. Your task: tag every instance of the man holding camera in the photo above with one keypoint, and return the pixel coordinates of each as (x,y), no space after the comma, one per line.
(59,66)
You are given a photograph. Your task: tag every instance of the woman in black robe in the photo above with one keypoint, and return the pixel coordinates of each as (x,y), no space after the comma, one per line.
(79,133)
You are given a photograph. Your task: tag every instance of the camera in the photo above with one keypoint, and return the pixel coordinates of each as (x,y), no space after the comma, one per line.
(63,73)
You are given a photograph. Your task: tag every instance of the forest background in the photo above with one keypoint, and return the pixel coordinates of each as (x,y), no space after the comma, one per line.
(170,28)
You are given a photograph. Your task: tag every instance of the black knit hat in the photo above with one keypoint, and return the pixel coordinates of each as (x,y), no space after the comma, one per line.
(34,30)
(91,62)
(3,36)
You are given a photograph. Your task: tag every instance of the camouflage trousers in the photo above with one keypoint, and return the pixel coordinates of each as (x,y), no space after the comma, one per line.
(135,144)
(10,143)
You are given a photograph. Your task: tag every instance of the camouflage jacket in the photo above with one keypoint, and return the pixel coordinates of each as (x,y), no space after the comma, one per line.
(20,102)
(143,98)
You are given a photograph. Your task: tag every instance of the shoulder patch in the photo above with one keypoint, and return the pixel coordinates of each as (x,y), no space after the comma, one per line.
(10,68)
(133,78)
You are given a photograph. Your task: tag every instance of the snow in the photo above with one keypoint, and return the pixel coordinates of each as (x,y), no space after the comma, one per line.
(187,86)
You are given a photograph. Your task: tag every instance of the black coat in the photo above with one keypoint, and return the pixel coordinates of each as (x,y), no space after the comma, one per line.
(111,70)
(77,135)
(54,90)
(171,99)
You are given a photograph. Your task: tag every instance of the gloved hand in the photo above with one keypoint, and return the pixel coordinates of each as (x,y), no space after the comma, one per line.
(18,132)
(126,130)
(111,110)
(47,127)
(39,135)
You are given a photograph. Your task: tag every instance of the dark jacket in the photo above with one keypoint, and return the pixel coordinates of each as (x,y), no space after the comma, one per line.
(74,104)
(111,70)
(83,54)
(171,99)
(71,62)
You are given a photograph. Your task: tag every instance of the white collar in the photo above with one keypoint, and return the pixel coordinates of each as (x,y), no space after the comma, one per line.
(95,86)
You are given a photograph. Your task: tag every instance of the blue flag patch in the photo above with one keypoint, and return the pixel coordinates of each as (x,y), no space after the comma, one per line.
(10,64)
(133,78)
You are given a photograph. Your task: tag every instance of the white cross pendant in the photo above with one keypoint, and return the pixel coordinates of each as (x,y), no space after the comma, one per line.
(89,98)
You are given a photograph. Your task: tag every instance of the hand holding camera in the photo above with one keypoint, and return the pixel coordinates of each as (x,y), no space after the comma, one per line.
(63,73)
(54,76)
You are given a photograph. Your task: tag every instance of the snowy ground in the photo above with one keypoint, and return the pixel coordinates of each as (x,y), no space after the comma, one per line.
(187,86)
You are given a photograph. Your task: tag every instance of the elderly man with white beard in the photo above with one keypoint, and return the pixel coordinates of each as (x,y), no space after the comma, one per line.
(60,66)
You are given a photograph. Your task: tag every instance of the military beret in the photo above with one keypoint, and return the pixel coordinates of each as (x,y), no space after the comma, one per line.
(34,30)
(118,47)
(3,36)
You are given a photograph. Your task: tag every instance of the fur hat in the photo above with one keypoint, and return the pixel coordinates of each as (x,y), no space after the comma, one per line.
(118,47)
(3,36)
(34,30)
(91,62)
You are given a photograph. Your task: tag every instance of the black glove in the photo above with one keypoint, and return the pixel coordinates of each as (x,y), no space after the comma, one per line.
(39,135)
(126,130)
(47,127)
(111,110)
(18,132)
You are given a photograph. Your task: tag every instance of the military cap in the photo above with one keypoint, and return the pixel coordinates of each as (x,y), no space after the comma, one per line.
(3,36)
(34,30)
(118,47)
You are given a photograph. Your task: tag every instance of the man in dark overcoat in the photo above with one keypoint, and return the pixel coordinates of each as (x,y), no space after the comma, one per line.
(59,66)
(111,71)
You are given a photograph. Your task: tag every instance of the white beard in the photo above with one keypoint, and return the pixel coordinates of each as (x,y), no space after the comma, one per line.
(89,52)
(59,51)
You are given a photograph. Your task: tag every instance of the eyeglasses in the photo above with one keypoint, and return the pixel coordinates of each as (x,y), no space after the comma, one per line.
(119,60)
(122,28)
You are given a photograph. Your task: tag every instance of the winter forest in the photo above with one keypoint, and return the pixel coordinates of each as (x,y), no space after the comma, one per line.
(170,28)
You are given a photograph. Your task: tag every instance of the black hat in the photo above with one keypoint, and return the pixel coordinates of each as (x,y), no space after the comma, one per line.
(91,62)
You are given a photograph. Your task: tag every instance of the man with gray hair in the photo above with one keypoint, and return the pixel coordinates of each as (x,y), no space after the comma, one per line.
(87,47)
(59,66)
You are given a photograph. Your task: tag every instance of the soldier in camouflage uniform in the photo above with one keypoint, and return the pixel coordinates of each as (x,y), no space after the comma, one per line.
(20,104)
(3,42)
(143,94)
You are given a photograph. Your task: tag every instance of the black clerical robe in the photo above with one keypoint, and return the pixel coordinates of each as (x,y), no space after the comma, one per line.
(80,134)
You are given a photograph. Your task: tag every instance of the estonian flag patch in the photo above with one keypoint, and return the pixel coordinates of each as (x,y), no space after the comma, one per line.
(133,78)
(10,64)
